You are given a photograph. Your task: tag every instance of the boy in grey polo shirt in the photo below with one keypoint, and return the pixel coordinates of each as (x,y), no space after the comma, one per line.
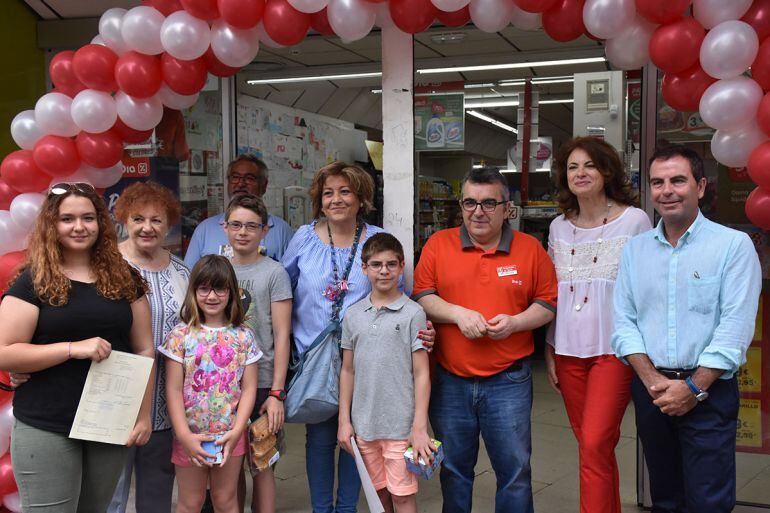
(385,383)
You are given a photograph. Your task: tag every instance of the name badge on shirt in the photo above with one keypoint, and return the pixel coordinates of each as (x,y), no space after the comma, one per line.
(507,270)
(226,250)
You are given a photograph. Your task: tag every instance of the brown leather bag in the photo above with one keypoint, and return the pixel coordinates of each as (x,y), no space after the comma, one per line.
(263,445)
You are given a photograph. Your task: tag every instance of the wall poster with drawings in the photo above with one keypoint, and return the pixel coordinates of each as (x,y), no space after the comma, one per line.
(294,144)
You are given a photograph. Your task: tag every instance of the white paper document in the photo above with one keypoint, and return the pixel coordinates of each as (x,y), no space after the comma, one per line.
(372,499)
(111,398)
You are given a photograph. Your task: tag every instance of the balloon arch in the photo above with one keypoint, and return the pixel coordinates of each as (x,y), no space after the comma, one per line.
(113,91)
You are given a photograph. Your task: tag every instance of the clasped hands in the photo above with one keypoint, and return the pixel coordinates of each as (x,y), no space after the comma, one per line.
(672,396)
(473,325)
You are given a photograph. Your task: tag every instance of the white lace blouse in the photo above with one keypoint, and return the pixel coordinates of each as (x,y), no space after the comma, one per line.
(586,331)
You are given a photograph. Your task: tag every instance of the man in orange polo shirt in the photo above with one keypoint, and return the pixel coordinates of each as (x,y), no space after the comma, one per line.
(486,287)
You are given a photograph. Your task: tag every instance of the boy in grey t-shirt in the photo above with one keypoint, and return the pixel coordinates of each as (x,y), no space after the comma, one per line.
(385,382)
(268,316)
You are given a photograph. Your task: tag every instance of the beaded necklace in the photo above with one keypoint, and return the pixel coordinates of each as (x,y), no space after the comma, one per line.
(571,269)
(336,290)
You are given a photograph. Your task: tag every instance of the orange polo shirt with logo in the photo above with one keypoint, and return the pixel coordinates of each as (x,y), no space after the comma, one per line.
(506,279)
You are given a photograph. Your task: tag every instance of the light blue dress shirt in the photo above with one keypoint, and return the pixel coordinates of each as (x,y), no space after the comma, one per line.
(209,238)
(693,305)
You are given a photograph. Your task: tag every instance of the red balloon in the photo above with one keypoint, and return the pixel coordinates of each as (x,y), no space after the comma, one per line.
(217,67)
(564,21)
(138,74)
(412,16)
(100,150)
(285,24)
(763,114)
(203,9)
(19,171)
(758,208)
(56,155)
(320,23)
(9,264)
(166,7)
(662,11)
(94,66)
(760,68)
(759,165)
(129,135)
(376,1)
(63,74)
(243,14)
(183,77)
(758,16)
(455,18)
(536,5)
(7,481)
(683,91)
(675,46)
(7,193)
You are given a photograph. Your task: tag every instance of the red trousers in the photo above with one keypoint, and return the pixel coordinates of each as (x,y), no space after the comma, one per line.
(596,392)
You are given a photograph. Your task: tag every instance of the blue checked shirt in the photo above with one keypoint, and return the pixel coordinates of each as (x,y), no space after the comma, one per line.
(693,305)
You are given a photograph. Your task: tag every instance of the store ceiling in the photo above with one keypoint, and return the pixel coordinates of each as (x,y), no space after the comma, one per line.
(353,100)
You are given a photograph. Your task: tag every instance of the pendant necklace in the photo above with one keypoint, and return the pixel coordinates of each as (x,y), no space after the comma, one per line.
(571,269)
(335,291)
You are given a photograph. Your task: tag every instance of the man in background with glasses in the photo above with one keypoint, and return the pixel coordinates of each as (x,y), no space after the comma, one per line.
(486,287)
(245,175)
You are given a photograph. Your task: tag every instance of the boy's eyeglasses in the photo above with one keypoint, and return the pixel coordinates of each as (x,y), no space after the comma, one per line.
(65,187)
(205,290)
(377,265)
(237,225)
(487,205)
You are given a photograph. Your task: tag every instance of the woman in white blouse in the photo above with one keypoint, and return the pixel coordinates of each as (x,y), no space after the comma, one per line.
(585,242)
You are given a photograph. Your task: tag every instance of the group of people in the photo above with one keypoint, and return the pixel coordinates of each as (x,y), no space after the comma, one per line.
(663,316)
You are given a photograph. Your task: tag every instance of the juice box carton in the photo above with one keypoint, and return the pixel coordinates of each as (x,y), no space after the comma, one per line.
(423,469)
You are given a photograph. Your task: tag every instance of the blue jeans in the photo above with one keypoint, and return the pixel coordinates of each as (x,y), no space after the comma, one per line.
(320,447)
(499,408)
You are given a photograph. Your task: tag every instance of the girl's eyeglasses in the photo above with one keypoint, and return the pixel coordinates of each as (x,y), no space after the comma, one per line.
(65,187)
(205,290)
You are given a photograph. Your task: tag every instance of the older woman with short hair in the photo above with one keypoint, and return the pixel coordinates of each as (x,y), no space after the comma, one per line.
(147,210)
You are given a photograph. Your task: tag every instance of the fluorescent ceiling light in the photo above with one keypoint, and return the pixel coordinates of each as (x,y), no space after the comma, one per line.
(315,78)
(510,103)
(536,81)
(512,65)
(492,121)
(562,100)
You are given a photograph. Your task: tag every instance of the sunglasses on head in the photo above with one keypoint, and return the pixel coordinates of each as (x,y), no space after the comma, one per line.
(65,187)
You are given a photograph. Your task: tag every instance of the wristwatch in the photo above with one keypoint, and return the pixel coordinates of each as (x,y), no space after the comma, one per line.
(278,394)
(700,395)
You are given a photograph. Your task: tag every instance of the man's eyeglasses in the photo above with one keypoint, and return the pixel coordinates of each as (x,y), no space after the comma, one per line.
(65,187)
(376,265)
(487,205)
(205,290)
(249,178)
(237,225)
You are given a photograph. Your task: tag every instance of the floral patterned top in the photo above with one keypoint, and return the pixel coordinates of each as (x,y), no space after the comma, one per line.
(213,360)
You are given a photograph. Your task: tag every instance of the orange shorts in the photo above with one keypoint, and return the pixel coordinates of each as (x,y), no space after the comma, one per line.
(180,458)
(384,460)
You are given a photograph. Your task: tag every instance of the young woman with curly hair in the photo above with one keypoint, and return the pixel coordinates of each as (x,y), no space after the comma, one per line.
(75,300)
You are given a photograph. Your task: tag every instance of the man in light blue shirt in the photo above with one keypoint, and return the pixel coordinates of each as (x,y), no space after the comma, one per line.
(245,175)
(685,304)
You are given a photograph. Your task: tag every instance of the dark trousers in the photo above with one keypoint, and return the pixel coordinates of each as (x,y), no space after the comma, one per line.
(691,459)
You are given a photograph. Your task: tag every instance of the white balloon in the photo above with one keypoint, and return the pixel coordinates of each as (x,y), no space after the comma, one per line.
(727,104)
(101,178)
(630,48)
(729,49)
(174,100)
(265,38)
(491,15)
(25,130)
(308,6)
(12,237)
(234,47)
(53,115)
(351,19)
(12,501)
(6,420)
(524,20)
(98,40)
(94,111)
(141,30)
(711,13)
(184,36)
(24,209)
(733,147)
(382,15)
(450,5)
(110,29)
(139,113)
(606,19)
